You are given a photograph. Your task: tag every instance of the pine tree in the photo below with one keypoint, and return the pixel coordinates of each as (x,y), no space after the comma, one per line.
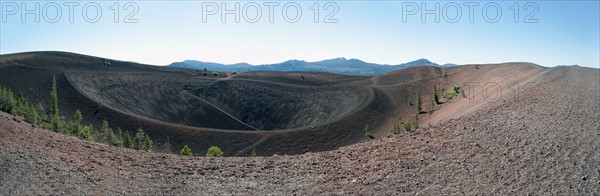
(95,133)
(105,129)
(7,100)
(56,125)
(76,126)
(105,125)
(111,138)
(416,122)
(138,141)
(147,143)
(436,99)
(108,134)
(166,146)
(419,102)
(54,108)
(127,142)
(20,104)
(77,116)
(31,115)
(39,108)
(119,134)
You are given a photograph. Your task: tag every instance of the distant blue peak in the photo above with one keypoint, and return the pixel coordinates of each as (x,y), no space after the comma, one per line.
(422,60)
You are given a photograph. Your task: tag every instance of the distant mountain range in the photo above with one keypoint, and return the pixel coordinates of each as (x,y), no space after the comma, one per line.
(338,65)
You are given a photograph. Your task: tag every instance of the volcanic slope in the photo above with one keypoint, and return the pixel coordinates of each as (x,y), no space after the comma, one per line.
(543,141)
(270,112)
(188,107)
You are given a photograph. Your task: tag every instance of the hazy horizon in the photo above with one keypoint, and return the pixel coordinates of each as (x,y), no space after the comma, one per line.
(383,32)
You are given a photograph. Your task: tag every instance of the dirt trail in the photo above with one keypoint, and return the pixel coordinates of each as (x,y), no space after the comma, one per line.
(223,111)
(249,148)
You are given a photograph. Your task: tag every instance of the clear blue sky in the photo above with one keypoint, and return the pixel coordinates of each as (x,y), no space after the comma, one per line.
(389,32)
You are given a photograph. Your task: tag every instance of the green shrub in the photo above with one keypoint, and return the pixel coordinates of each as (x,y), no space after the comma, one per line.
(395,129)
(214,73)
(253,153)
(406,126)
(214,151)
(83,132)
(56,125)
(368,131)
(450,94)
(89,133)
(186,151)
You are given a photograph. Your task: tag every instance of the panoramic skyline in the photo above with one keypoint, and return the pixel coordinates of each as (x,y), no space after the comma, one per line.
(547,33)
